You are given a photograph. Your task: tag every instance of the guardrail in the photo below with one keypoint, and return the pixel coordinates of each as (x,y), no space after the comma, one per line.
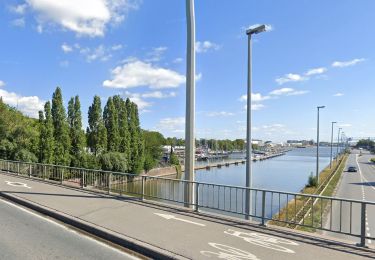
(337,215)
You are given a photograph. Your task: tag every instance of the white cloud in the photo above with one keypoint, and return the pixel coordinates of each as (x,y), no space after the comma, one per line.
(84,17)
(18,9)
(2,83)
(288,92)
(178,60)
(29,105)
(99,53)
(137,98)
(174,124)
(338,94)
(255,97)
(66,48)
(290,77)
(221,113)
(198,76)
(20,22)
(255,107)
(316,71)
(158,94)
(116,47)
(342,64)
(156,54)
(344,125)
(206,46)
(137,73)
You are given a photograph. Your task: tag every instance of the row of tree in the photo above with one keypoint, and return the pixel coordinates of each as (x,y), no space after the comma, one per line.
(113,139)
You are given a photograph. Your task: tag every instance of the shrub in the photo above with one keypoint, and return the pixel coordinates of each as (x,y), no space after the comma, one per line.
(312,182)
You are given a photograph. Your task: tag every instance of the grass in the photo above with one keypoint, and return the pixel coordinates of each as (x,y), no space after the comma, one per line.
(299,206)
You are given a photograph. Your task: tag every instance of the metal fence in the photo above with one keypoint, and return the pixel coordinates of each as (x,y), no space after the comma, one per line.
(344,216)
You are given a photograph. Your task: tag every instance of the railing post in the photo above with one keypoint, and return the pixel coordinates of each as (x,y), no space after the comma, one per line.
(82,178)
(30,169)
(109,183)
(44,172)
(18,168)
(8,166)
(196,198)
(363,225)
(62,175)
(143,187)
(263,208)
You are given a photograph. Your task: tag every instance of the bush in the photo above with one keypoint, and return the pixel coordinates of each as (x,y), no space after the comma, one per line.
(149,163)
(173,160)
(373,160)
(312,182)
(113,161)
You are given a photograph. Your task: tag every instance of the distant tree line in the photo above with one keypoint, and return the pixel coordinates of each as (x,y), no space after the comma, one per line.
(367,144)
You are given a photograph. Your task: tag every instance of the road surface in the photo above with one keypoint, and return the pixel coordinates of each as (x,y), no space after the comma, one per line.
(26,235)
(358,185)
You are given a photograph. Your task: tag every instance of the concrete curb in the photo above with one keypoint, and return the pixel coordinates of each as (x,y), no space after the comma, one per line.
(137,246)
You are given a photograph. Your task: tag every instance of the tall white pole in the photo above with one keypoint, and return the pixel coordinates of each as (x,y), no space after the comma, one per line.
(190,104)
(317,150)
(248,199)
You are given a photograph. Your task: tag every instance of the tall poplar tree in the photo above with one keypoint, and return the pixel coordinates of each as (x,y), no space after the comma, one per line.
(77,136)
(123,124)
(96,131)
(61,130)
(46,143)
(136,140)
(111,123)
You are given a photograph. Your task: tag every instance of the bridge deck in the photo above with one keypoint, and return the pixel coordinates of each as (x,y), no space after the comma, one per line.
(177,232)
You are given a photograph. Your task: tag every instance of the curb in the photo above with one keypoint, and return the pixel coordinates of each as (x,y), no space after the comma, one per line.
(121,240)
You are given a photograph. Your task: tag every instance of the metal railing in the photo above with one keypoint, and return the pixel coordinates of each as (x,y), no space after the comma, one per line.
(344,216)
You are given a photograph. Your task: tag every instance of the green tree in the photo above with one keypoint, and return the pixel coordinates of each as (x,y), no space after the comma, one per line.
(153,152)
(123,124)
(46,143)
(77,135)
(96,131)
(61,130)
(111,123)
(136,139)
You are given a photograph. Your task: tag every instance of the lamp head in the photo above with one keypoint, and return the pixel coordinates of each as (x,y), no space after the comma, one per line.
(256,30)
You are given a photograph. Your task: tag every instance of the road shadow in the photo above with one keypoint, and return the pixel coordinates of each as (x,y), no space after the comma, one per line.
(364,183)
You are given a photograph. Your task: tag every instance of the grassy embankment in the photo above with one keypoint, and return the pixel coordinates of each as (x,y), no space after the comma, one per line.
(299,209)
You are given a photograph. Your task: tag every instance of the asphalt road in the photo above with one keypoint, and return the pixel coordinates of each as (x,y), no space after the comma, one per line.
(358,185)
(185,234)
(26,235)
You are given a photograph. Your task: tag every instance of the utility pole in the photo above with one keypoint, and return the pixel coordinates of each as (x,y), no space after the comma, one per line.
(330,161)
(317,145)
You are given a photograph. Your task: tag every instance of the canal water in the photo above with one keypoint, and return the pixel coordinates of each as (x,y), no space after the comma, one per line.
(288,172)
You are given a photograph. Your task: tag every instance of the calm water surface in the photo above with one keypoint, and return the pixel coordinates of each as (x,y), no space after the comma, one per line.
(289,172)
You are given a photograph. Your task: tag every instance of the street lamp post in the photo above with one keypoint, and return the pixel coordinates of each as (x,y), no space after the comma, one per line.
(190,105)
(338,137)
(330,161)
(317,145)
(248,199)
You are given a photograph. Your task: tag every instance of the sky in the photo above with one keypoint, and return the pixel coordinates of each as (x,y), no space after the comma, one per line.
(314,53)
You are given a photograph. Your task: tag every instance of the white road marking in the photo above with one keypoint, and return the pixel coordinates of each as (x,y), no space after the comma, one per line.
(228,252)
(18,184)
(168,217)
(362,176)
(66,228)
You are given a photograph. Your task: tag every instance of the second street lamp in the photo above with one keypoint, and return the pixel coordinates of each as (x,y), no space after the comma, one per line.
(317,146)
(248,199)
(338,140)
(330,161)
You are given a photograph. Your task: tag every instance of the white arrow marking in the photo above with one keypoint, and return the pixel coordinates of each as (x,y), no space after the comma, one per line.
(179,219)
(17,184)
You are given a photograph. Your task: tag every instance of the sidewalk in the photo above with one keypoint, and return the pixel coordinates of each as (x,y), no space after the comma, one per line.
(154,229)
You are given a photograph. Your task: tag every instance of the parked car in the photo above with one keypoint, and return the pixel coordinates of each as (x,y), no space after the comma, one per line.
(352,169)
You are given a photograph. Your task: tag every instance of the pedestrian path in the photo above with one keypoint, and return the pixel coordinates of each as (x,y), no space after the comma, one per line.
(173,232)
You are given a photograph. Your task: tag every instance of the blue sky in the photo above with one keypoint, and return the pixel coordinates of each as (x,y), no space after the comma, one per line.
(316,53)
